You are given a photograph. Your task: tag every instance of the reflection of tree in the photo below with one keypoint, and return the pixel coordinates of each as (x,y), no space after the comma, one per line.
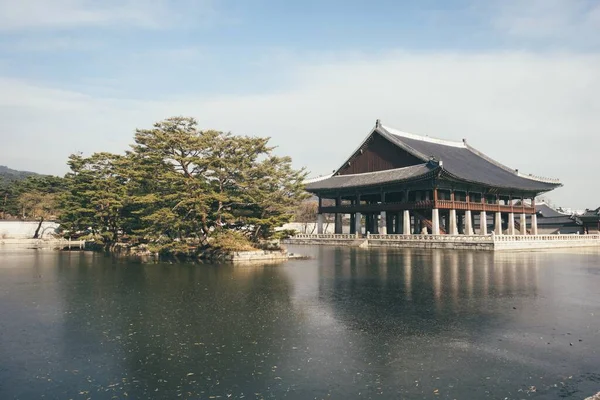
(184,329)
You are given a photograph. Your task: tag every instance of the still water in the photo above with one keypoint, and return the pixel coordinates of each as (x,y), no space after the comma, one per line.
(349,323)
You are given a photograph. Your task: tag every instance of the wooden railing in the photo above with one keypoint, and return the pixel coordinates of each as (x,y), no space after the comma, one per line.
(427,204)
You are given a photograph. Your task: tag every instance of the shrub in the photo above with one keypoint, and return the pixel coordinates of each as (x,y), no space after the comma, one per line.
(230,241)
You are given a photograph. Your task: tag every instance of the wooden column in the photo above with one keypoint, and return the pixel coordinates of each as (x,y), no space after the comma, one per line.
(338,217)
(389,219)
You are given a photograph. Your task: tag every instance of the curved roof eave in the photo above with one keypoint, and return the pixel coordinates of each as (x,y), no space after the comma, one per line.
(537,190)
(427,173)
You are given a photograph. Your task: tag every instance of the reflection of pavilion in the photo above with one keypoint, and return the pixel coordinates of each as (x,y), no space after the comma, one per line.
(411,285)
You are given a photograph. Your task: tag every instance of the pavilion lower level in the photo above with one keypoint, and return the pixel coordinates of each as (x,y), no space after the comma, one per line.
(424,213)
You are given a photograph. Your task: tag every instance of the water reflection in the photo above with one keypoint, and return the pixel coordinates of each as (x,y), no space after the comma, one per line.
(349,323)
(434,280)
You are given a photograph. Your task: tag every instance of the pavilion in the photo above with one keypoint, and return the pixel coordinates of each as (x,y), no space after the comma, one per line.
(590,220)
(403,183)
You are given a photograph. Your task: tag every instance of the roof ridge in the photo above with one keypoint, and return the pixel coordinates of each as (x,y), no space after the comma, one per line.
(318,178)
(538,178)
(414,136)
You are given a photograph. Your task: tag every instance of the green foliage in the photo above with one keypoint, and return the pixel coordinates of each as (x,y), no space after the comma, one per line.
(32,197)
(284,234)
(179,186)
(228,240)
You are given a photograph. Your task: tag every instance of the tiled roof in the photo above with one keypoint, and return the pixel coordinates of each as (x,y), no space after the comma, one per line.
(546,211)
(563,220)
(372,178)
(591,213)
(466,163)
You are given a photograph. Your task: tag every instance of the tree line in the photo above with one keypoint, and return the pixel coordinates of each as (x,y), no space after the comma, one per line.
(176,187)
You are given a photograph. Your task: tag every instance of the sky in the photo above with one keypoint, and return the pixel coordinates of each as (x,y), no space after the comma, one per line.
(519,79)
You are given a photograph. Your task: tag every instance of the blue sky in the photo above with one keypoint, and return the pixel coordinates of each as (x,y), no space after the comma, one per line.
(518,78)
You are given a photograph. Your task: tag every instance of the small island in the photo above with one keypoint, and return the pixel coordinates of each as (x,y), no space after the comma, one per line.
(178,192)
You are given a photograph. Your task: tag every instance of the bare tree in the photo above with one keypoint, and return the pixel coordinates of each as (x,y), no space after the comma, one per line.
(307,214)
(39,206)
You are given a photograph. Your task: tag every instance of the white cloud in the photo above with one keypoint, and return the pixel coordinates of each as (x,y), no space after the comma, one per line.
(49,44)
(17,15)
(575,22)
(536,112)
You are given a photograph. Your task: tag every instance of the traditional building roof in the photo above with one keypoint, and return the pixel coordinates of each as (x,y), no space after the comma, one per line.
(559,220)
(455,160)
(466,163)
(546,211)
(590,214)
(414,172)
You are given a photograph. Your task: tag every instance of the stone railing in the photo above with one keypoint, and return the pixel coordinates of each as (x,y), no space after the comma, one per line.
(326,236)
(453,238)
(429,238)
(540,238)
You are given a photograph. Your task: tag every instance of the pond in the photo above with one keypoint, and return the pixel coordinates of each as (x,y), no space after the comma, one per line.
(348,323)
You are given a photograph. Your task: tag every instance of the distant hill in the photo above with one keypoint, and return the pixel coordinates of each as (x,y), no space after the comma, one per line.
(8,174)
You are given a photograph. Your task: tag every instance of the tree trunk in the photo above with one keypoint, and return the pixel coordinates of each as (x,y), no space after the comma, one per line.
(4,206)
(255,235)
(37,231)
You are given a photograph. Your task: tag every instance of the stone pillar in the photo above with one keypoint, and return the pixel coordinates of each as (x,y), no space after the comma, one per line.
(406,223)
(453,227)
(320,224)
(498,223)
(338,223)
(435,222)
(523,223)
(483,223)
(357,227)
(382,223)
(511,223)
(534,230)
(468,223)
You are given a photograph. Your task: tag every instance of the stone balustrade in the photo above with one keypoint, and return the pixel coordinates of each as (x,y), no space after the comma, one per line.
(326,236)
(486,242)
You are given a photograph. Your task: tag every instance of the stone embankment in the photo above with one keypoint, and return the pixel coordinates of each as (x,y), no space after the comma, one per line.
(473,242)
(61,244)
(143,254)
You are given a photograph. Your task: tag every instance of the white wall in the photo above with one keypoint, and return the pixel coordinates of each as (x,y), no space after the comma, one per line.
(25,229)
